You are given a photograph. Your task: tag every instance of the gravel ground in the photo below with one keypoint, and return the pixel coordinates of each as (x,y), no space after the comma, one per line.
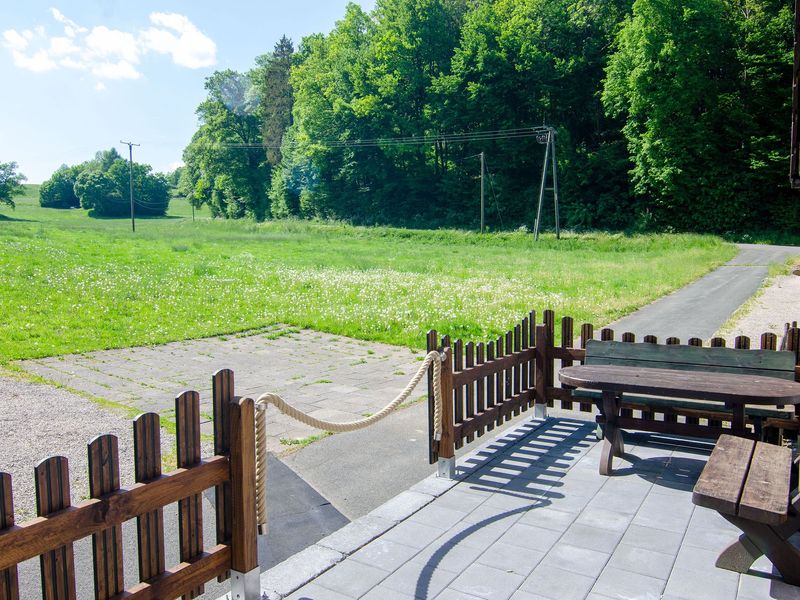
(770,309)
(38,421)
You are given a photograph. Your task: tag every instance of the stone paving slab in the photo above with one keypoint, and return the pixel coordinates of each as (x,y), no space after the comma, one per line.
(331,377)
(529,517)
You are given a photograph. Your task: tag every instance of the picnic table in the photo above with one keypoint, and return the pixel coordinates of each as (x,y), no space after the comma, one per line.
(735,391)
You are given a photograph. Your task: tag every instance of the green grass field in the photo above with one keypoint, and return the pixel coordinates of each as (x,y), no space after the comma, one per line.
(71,283)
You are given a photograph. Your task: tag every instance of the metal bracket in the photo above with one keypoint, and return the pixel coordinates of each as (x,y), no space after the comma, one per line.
(246,586)
(446,468)
(540,411)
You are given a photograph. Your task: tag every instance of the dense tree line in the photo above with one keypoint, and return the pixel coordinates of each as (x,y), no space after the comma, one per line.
(102,185)
(671,114)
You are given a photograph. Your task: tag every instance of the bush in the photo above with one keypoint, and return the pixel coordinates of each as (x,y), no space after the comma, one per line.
(58,191)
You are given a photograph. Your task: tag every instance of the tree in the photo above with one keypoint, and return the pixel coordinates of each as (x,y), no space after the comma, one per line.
(10,183)
(58,191)
(151,190)
(100,193)
(274,96)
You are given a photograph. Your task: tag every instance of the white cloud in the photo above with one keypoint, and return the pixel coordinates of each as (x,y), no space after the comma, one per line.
(100,86)
(107,53)
(14,40)
(190,48)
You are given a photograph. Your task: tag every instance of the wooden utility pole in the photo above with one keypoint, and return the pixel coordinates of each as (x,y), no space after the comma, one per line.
(483,192)
(130,177)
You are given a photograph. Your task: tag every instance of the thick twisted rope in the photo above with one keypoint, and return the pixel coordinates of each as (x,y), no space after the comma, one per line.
(433,359)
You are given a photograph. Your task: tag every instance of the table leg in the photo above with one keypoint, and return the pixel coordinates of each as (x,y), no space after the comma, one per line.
(737,425)
(612,438)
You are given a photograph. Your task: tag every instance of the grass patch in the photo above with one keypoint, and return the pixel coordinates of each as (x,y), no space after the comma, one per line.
(76,284)
(297,443)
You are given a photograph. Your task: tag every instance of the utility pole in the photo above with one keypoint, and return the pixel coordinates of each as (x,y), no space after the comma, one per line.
(130,155)
(483,191)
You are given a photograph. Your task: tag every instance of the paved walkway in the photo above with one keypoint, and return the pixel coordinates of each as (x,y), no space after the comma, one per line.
(532,519)
(702,307)
(328,376)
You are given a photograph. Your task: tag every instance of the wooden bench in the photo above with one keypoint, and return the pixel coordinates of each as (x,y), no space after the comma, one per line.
(749,484)
(698,418)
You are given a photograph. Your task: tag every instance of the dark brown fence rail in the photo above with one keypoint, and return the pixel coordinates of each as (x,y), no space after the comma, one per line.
(60,523)
(491,382)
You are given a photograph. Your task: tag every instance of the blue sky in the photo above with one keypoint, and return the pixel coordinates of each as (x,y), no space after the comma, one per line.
(81,76)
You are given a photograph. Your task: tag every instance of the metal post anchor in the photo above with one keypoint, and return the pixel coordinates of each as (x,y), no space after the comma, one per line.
(540,411)
(246,586)
(446,468)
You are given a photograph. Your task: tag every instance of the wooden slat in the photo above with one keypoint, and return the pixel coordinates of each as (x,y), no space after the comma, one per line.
(499,411)
(52,496)
(717,342)
(39,535)
(672,341)
(447,443)
(607,335)
(517,372)
(190,508)
(684,429)
(458,390)
(222,390)
(549,319)
(722,360)
(176,580)
(566,342)
(490,383)
(480,388)
(628,337)
(530,363)
(508,373)
(498,365)
(107,545)
(9,580)
(540,383)
(765,497)
(742,342)
(769,341)
(587,332)
(147,467)
(695,341)
(500,379)
(525,368)
(469,389)
(650,339)
(720,484)
(244,550)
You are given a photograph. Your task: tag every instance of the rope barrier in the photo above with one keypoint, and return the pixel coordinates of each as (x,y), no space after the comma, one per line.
(433,359)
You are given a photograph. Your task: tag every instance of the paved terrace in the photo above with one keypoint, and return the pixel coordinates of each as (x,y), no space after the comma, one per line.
(532,519)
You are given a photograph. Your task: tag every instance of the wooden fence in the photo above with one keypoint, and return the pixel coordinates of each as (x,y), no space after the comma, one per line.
(60,523)
(491,382)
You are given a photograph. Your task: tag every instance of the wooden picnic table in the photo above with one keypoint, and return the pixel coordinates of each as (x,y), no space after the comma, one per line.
(733,390)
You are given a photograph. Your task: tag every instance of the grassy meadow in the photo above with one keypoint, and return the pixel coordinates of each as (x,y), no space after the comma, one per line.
(71,283)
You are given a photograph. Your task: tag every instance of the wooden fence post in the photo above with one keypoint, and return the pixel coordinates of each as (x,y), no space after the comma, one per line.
(9,581)
(245,576)
(433,445)
(542,344)
(447,452)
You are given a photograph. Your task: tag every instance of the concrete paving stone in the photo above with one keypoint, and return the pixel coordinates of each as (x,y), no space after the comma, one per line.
(452,594)
(351,578)
(384,554)
(628,503)
(557,584)
(702,560)
(757,588)
(576,559)
(617,583)
(413,534)
(648,538)
(520,595)
(402,506)
(511,558)
(299,569)
(557,499)
(549,518)
(644,562)
(419,580)
(460,499)
(484,514)
(604,519)
(354,535)
(312,591)
(530,537)
(479,535)
(448,553)
(662,512)
(384,593)
(435,486)
(438,516)
(487,582)
(697,585)
(510,499)
(709,538)
(593,538)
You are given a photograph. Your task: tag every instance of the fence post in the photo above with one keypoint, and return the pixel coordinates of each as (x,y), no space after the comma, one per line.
(245,576)
(542,344)
(447,452)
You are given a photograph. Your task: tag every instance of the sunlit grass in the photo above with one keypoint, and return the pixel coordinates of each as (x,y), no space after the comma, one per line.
(71,283)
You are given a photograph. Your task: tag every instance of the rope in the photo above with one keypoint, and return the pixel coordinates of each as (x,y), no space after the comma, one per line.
(433,359)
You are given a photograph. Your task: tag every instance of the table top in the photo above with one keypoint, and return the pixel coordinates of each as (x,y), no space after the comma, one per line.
(698,385)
